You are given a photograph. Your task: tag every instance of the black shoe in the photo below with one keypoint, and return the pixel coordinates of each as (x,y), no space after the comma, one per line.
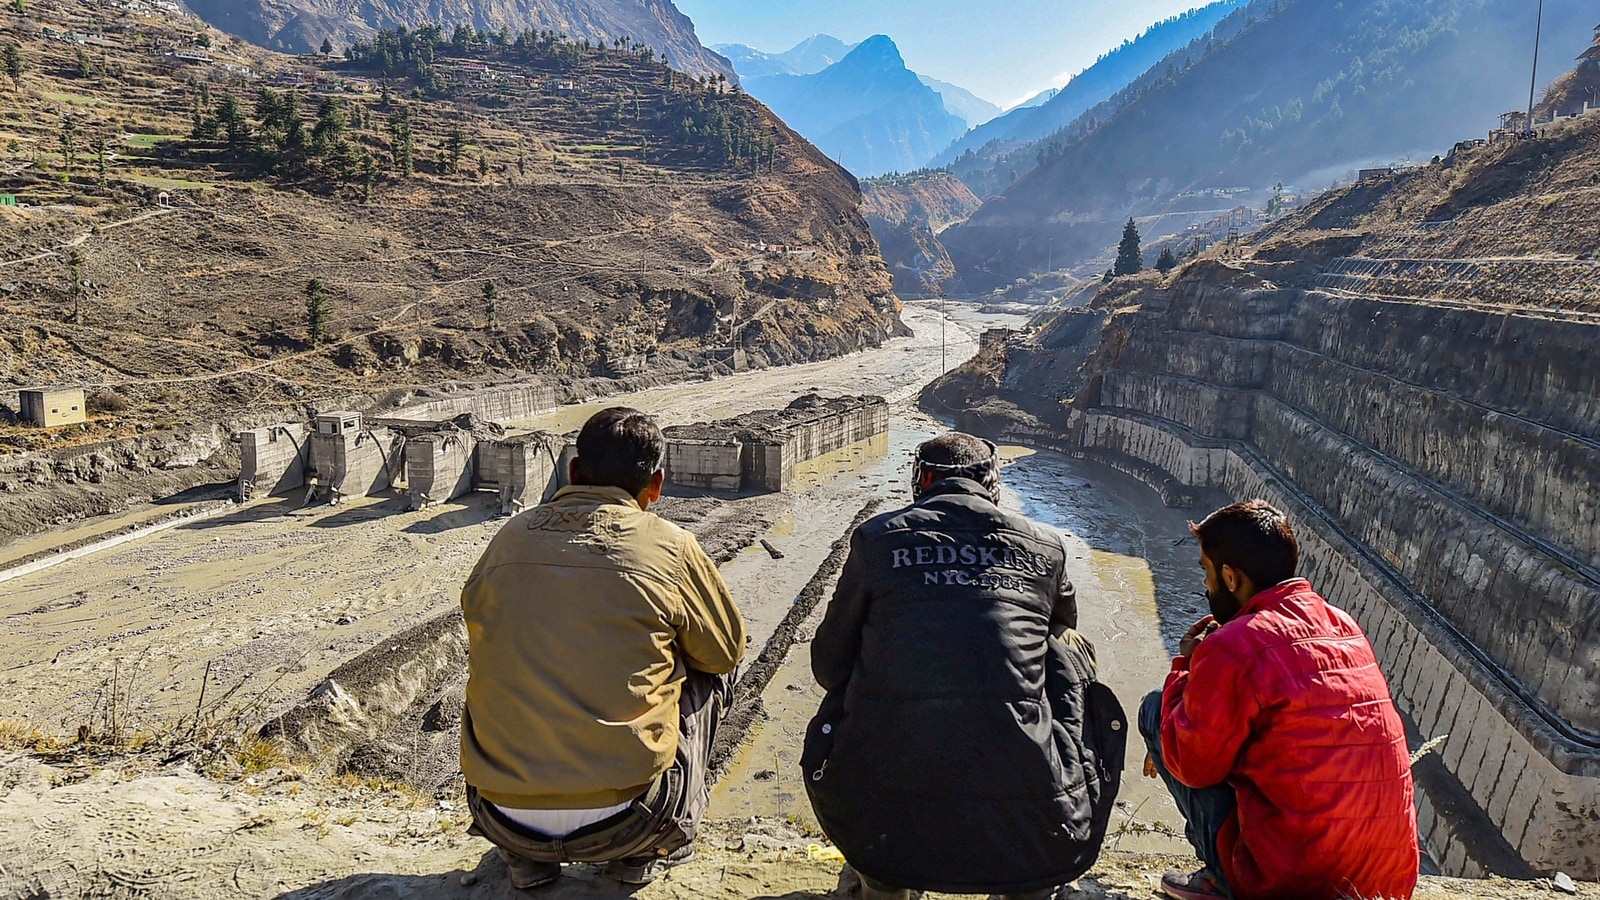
(645,869)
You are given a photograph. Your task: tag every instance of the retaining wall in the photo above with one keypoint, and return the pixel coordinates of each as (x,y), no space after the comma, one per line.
(1443,468)
(439,467)
(495,404)
(273,460)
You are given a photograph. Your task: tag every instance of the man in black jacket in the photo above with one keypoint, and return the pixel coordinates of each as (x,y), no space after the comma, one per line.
(964,744)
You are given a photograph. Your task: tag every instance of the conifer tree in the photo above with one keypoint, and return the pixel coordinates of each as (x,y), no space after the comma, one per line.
(77,288)
(317,311)
(490,294)
(1129,260)
(13,64)
(1166,262)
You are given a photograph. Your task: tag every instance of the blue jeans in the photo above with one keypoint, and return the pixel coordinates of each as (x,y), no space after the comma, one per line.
(1203,809)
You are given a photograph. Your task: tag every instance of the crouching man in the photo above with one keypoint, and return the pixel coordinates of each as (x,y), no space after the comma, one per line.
(1276,733)
(962,746)
(601,646)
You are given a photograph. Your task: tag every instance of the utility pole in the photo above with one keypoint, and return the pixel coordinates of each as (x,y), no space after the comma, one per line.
(1533,83)
(944,365)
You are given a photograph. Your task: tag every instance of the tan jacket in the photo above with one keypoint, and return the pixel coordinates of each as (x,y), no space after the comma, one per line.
(582,616)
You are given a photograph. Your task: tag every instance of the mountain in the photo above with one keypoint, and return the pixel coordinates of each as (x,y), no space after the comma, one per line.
(868,110)
(808,57)
(1038,99)
(1301,92)
(300,26)
(974,110)
(1111,73)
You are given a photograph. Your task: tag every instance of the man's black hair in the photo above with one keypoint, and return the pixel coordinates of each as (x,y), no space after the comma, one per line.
(960,455)
(1252,537)
(620,447)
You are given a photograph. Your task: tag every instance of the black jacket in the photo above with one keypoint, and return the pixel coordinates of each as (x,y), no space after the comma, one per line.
(960,747)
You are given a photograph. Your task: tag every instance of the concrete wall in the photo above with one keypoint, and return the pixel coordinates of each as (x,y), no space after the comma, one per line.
(710,465)
(1443,468)
(496,404)
(355,465)
(769,464)
(439,467)
(273,460)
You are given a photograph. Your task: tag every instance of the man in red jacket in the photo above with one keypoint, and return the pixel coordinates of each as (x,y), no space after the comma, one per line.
(1276,733)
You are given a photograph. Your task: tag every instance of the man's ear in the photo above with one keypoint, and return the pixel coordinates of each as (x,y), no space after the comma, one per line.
(1230,578)
(657,482)
(572,471)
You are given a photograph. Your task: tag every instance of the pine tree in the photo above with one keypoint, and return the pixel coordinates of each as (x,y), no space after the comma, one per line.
(490,294)
(1166,262)
(316,310)
(13,63)
(69,140)
(77,288)
(1129,260)
(327,47)
(100,154)
(452,148)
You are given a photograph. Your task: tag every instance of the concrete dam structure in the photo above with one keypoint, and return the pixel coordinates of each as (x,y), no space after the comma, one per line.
(341,454)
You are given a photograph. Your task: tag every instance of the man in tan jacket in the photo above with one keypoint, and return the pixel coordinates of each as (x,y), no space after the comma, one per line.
(602,649)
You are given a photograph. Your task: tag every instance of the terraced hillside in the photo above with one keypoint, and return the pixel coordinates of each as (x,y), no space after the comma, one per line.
(1408,366)
(487,213)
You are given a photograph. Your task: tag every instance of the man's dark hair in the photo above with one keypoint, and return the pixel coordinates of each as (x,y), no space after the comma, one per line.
(959,455)
(1254,538)
(620,447)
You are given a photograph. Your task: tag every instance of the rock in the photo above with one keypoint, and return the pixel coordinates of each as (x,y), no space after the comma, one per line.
(469,879)
(1563,883)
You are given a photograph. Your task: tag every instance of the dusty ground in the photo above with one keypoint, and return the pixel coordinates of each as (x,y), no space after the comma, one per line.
(176,834)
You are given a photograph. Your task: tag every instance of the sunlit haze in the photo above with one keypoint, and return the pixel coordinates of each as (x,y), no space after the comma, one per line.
(1004,52)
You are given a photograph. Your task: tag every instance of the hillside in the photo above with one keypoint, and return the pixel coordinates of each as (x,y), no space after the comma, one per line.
(556,211)
(906,214)
(1304,93)
(868,110)
(300,26)
(987,157)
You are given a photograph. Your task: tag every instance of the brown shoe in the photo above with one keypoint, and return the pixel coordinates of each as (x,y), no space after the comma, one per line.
(1199,885)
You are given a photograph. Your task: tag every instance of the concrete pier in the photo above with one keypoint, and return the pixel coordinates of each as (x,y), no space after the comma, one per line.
(524,469)
(439,467)
(348,459)
(759,451)
(273,460)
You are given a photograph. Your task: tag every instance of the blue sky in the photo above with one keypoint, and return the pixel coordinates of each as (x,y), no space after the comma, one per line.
(1003,50)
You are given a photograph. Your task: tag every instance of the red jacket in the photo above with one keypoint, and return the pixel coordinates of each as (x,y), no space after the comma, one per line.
(1286,704)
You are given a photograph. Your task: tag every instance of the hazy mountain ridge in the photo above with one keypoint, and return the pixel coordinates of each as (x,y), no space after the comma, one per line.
(1111,72)
(959,101)
(300,26)
(808,57)
(868,110)
(1301,93)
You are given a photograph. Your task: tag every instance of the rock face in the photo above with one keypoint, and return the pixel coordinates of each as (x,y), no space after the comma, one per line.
(1418,394)
(300,26)
(906,215)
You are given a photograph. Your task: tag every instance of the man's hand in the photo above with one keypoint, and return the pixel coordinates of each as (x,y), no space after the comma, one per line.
(1150,767)
(1193,637)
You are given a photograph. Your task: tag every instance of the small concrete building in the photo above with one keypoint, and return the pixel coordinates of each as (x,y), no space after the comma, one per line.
(52,407)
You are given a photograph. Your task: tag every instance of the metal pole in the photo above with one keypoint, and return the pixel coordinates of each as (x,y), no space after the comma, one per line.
(944,365)
(1533,82)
